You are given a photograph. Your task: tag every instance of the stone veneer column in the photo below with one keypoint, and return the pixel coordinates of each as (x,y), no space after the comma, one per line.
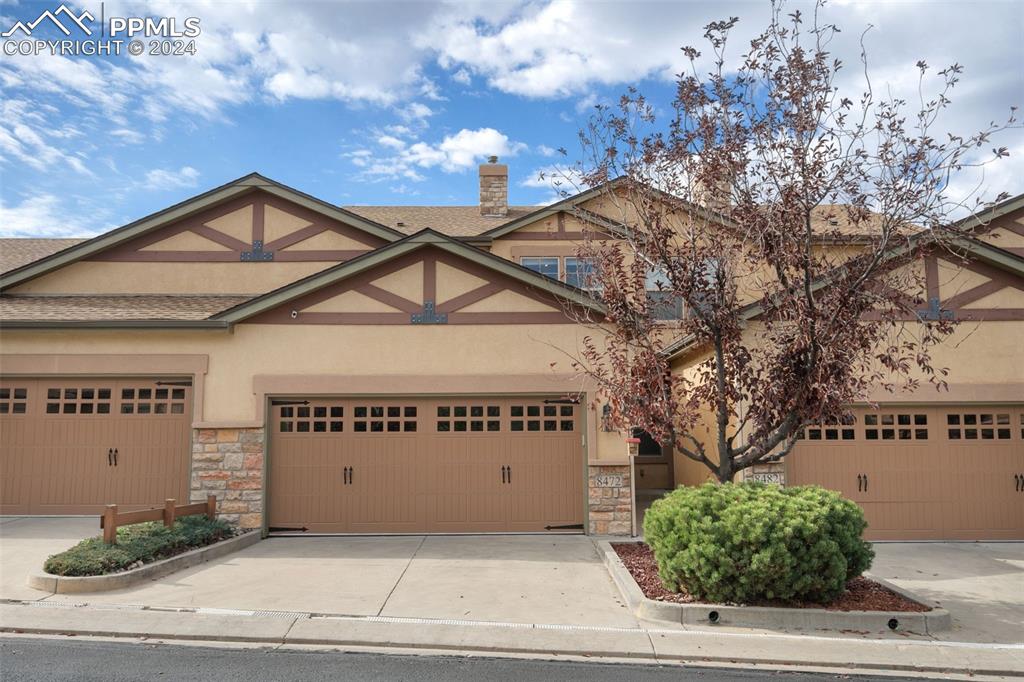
(610,500)
(228,463)
(767,472)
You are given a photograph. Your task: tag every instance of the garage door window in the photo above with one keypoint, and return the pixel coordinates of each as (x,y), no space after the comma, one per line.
(311,419)
(384,419)
(78,400)
(831,429)
(13,400)
(152,400)
(468,418)
(906,426)
(979,426)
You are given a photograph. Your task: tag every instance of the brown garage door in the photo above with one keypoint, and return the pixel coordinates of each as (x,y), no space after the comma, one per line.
(71,446)
(923,473)
(418,465)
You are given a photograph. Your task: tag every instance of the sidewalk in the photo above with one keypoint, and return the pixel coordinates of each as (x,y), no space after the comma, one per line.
(648,643)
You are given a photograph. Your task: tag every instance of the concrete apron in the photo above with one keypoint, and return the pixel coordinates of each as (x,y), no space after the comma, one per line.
(666,645)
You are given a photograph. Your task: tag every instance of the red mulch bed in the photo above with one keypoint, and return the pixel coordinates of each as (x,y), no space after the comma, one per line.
(861,593)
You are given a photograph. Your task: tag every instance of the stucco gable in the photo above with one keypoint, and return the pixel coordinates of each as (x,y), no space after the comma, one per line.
(427,278)
(250,220)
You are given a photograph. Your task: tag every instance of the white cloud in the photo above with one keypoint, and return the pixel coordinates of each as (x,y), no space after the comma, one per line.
(458,152)
(390,141)
(545,150)
(127,136)
(557,178)
(161,179)
(39,216)
(414,112)
(462,76)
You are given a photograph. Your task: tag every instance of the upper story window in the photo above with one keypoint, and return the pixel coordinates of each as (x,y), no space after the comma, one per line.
(580,273)
(664,303)
(546,265)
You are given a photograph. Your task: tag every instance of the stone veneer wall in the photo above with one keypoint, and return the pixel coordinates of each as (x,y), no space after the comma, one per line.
(609,500)
(767,472)
(228,463)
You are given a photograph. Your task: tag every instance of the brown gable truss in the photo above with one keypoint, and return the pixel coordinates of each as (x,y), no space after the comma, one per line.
(288,304)
(256,248)
(324,214)
(1004,269)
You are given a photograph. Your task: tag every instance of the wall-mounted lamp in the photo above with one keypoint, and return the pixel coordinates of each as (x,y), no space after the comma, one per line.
(606,418)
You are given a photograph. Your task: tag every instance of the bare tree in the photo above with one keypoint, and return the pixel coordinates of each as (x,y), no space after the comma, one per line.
(778,215)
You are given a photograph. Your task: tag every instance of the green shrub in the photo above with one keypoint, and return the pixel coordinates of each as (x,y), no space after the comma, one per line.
(748,542)
(143,542)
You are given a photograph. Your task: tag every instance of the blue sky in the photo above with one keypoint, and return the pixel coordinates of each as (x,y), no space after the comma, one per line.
(396,103)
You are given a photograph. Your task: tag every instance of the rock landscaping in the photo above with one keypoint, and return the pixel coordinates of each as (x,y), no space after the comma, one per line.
(861,594)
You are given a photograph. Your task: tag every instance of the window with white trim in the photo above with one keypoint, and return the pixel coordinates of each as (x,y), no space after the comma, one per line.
(545,265)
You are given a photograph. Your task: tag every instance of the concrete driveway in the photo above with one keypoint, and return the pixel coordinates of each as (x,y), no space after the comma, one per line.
(982,584)
(519,578)
(26,542)
(510,578)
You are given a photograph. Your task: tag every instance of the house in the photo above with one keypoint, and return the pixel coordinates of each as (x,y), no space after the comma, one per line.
(408,369)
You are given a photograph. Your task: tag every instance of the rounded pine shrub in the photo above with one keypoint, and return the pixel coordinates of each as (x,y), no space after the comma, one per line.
(746,542)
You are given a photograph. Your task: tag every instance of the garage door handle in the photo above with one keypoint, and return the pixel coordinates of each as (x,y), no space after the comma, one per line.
(1016,482)
(115,456)
(510,474)
(860,482)
(865,482)
(503,474)
(110,456)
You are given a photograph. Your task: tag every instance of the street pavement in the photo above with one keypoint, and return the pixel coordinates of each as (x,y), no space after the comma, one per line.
(55,659)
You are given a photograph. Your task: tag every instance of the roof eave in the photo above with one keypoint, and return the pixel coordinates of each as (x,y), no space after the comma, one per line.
(6,325)
(249,183)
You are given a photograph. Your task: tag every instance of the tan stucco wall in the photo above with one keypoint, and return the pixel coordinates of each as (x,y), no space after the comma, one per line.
(345,359)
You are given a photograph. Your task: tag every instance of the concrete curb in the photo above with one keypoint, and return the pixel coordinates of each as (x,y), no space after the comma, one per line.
(61,584)
(665,645)
(772,618)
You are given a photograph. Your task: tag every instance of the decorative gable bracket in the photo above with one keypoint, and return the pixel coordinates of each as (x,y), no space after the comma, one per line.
(935,311)
(257,255)
(429,315)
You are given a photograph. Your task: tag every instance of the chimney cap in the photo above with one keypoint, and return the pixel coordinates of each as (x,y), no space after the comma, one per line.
(492,159)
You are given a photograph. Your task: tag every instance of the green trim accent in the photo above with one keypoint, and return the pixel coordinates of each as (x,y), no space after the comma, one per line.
(249,183)
(415,242)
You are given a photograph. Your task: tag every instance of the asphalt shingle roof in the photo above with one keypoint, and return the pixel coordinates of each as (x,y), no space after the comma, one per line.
(115,307)
(454,221)
(15,252)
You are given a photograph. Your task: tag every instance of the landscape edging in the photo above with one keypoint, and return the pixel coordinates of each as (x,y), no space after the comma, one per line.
(68,584)
(771,617)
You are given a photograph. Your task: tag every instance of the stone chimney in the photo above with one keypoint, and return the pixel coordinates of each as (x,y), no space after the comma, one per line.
(493,188)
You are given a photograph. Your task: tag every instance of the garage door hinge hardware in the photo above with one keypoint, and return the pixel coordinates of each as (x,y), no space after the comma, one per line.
(284,529)
(571,526)
(174,383)
(289,402)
